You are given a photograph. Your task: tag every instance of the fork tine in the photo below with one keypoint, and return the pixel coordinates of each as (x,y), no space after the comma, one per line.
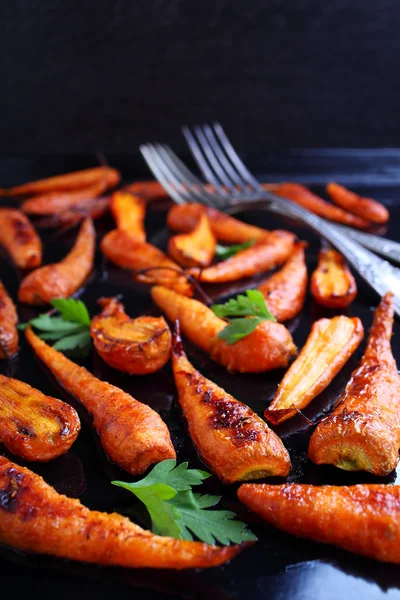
(208,151)
(201,161)
(222,157)
(234,157)
(174,188)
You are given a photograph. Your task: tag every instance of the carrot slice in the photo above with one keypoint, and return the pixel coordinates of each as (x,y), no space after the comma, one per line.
(270,346)
(285,291)
(364,519)
(148,190)
(367,208)
(62,279)
(34,517)
(8,322)
(301,195)
(194,249)
(235,443)
(66,182)
(328,347)
(54,203)
(332,284)
(131,433)
(135,346)
(363,432)
(19,238)
(129,212)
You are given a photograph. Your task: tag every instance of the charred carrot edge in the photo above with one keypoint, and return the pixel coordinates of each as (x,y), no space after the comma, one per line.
(332,283)
(19,239)
(8,322)
(129,213)
(231,438)
(62,279)
(364,519)
(132,434)
(301,195)
(66,182)
(92,208)
(270,346)
(363,432)
(34,517)
(58,202)
(328,347)
(194,249)
(285,291)
(367,208)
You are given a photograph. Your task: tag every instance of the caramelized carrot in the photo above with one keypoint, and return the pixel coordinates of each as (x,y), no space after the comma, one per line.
(123,250)
(235,443)
(58,202)
(364,519)
(184,217)
(36,518)
(131,433)
(129,212)
(285,291)
(32,425)
(93,208)
(194,249)
(332,283)
(8,322)
(363,432)
(269,252)
(20,239)
(301,195)
(148,190)
(367,208)
(67,182)
(328,347)
(270,346)
(62,279)
(135,346)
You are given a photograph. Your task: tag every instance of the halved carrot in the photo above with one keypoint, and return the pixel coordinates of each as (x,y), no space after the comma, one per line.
(62,279)
(148,190)
(8,325)
(328,347)
(363,432)
(129,212)
(367,208)
(332,283)
(270,346)
(301,195)
(57,202)
(19,238)
(231,438)
(285,291)
(66,182)
(194,249)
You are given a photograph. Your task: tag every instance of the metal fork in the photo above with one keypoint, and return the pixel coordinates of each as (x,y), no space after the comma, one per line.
(183,186)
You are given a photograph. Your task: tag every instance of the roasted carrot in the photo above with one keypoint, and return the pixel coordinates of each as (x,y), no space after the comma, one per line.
(123,250)
(301,195)
(332,283)
(285,291)
(232,440)
(131,433)
(148,190)
(270,346)
(135,346)
(196,248)
(34,517)
(62,279)
(8,322)
(364,519)
(92,207)
(129,212)
(67,182)
(267,253)
(328,347)
(363,432)
(32,425)
(184,217)
(367,208)
(57,202)
(19,238)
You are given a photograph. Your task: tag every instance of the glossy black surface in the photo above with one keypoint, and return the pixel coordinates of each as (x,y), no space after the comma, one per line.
(279,565)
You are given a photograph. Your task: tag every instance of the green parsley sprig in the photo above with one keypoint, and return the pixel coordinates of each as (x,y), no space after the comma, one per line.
(178,512)
(224,252)
(246,311)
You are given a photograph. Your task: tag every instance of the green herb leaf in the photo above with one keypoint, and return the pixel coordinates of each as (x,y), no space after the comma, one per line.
(72,310)
(71,342)
(238,329)
(251,305)
(224,252)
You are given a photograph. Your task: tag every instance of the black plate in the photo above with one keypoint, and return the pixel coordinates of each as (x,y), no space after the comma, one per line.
(279,565)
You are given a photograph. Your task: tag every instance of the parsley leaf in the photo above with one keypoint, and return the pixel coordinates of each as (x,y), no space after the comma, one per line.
(224,252)
(176,511)
(72,310)
(238,329)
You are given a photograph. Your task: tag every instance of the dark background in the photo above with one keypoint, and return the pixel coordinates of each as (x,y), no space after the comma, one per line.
(78,76)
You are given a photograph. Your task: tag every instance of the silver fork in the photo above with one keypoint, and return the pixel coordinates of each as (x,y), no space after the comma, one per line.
(183,186)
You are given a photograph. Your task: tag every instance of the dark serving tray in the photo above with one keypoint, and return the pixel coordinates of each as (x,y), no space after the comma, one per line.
(279,565)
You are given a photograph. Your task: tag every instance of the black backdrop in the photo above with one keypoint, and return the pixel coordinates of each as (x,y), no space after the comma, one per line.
(81,75)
